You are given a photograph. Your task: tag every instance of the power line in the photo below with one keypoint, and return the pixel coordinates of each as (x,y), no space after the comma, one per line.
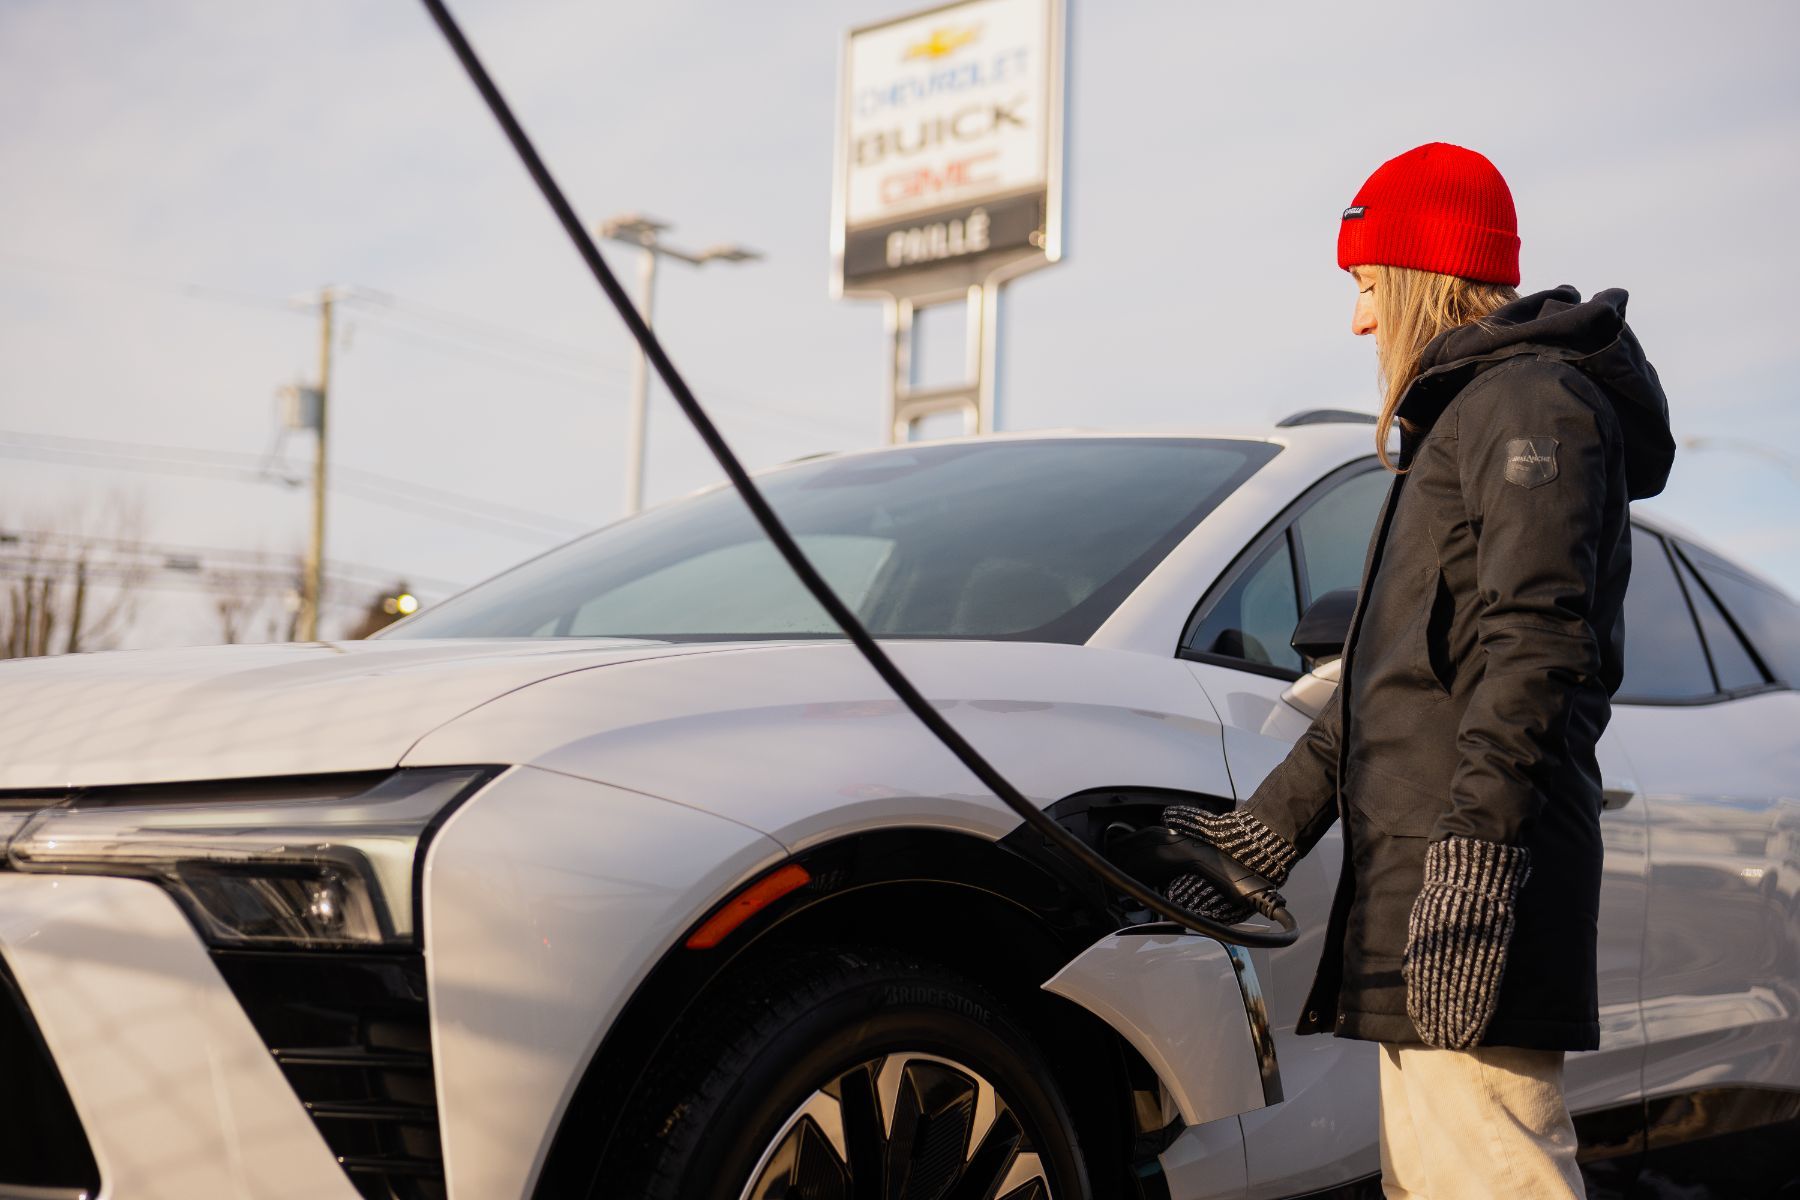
(137,572)
(508,359)
(588,373)
(120,575)
(187,454)
(449,514)
(250,468)
(515,347)
(240,460)
(475,327)
(542,347)
(111,275)
(83,458)
(113,461)
(109,461)
(232,557)
(522,516)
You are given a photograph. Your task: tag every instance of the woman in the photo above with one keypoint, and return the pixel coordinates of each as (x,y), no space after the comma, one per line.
(1477,676)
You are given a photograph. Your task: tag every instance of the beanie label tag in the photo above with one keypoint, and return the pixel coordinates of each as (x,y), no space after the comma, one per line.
(1351,214)
(1531,461)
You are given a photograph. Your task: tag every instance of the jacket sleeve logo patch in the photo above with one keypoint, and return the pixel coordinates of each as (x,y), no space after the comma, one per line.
(1531,461)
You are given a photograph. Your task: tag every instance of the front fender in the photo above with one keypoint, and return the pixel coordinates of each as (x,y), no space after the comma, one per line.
(546,899)
(1191,1006)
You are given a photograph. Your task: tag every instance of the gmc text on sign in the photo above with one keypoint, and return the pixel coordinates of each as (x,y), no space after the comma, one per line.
(948,126)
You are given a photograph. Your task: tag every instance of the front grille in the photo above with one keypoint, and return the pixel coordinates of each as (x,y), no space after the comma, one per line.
(43,1149)
(350,1030)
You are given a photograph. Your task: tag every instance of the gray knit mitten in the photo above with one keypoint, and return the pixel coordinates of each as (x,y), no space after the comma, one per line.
(1457,936)
(1241,835)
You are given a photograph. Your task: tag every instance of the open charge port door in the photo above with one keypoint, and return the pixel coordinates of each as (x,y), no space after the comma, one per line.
(1189,1004)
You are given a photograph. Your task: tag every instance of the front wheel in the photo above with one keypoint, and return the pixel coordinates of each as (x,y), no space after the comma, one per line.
(850,1074)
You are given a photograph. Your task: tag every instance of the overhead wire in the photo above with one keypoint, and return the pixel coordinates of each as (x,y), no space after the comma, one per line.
(449,515)
(233,557)
(73,564)
(115,461)
(220,585)
(515,348)
(475,327)
(118,278)
(438,343)
(375,486)
(526,352)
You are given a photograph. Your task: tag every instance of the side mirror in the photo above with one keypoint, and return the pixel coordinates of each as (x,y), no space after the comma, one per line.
(1313,691)
(1325,626)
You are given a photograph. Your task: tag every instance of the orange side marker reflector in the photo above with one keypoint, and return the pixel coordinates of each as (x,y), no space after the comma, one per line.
(743,906)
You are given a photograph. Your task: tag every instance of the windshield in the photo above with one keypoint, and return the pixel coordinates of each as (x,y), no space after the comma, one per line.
(1030,540)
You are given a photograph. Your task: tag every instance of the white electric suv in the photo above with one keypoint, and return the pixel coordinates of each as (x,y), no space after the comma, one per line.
(622,875)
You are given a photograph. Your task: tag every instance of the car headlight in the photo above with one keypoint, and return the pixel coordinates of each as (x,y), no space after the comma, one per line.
(320,861)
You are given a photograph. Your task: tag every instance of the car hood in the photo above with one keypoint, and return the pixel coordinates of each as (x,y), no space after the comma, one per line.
(226,712)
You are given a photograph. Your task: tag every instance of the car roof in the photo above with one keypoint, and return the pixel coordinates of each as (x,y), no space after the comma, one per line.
(1657,520)
(1330,442)
(1325,437)
(1329,438)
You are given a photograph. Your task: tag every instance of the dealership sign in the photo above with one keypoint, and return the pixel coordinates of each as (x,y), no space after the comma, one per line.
(950,146)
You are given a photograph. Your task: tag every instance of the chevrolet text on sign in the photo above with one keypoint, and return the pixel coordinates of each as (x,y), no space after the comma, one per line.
(947,129)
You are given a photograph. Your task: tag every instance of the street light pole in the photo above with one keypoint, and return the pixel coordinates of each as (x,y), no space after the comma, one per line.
(636,436)
(644,232)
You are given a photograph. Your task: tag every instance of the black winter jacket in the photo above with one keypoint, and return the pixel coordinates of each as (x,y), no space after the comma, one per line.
(1481,661)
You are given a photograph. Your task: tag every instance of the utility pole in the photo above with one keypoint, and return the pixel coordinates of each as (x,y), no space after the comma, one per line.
(643,232)
(312,595)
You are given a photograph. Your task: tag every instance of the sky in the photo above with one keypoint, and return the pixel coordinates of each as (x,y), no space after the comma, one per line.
(182,175)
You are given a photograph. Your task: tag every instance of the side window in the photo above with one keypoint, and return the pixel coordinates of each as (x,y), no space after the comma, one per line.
(1256,616)
(1331,538)
(1664,659)
(1770,619)
(1322,549)
(1731,662)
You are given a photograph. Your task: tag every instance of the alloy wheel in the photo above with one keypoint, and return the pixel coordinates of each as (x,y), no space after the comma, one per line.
(904,1126)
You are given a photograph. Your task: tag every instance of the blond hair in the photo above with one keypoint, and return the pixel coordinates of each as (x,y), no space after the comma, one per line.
(1411,308)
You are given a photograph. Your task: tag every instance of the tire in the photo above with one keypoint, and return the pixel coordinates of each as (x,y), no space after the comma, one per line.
(805,1077)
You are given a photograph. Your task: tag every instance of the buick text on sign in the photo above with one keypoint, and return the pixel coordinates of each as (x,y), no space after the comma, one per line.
(947,124)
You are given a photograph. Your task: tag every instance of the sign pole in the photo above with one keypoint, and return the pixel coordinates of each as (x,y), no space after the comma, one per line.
(899,375)
(987,355)
(949,181)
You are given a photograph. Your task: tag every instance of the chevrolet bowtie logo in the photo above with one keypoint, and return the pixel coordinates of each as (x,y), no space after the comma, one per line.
(942,42)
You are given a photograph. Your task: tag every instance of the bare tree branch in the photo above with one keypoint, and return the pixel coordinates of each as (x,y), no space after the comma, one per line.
(54,598)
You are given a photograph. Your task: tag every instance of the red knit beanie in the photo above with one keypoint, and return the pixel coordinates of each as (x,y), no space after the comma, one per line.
(1439,208)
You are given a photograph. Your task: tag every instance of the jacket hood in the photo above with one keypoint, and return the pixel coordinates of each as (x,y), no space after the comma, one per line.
(1589,335)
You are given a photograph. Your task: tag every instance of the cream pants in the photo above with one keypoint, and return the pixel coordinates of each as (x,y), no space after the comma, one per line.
(1483,1124)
